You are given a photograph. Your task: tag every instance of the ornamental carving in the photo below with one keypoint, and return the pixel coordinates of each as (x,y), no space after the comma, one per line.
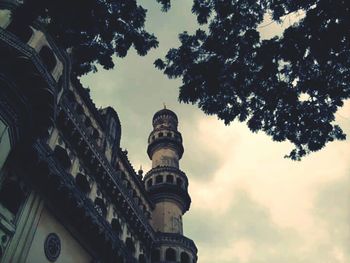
(52,247)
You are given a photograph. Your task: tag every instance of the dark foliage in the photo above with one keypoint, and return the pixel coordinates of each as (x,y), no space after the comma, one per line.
(289,87)
(93,29)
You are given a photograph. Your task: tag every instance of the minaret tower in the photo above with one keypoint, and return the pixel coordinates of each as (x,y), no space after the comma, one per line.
(167,186)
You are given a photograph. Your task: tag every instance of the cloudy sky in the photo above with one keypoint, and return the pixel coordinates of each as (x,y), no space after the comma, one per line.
(249,204)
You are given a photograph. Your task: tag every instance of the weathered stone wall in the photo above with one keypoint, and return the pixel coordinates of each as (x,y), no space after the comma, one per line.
(165,157)
(167,218)
(71,250)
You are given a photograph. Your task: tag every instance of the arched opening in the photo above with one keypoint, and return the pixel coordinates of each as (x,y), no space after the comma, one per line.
(185,258)
(82,183)
(130,246)
(95,134)
(117,228)
(87,122)
(48,58)
(70,96)
(100,206)
(179,182)
(142,258)
(159,179)
(23,32)
(126,184)
(155,255)
(170,254)
(11,194)
(149,183)
(60,84)
(160,134)
(170,179)
(62,156)
(78,108)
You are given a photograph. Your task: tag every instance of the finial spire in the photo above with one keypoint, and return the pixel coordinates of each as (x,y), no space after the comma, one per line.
(140,171)
(164,105)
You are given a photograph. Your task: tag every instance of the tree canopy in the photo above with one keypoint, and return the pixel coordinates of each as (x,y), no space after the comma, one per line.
(289,86)
(95,30)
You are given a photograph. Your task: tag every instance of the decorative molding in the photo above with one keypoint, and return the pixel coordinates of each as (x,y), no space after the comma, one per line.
(177,240)
(52,247)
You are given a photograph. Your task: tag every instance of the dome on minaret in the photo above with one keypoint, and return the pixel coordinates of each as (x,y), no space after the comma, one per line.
(165,116)
(165,139)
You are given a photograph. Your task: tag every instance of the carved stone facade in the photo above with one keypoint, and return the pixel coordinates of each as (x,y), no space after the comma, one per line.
(68,193)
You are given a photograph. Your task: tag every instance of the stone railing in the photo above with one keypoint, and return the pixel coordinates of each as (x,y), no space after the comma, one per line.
(82,201)
(176,239)
(113,176)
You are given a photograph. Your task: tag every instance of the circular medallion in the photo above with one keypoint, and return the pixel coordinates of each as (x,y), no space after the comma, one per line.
(52,247)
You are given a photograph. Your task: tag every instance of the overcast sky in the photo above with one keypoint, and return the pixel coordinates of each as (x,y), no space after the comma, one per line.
(249,204)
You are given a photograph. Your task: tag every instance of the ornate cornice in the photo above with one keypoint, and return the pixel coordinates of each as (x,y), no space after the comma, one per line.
(164,142)
(104,167)
(62,184)
(177,240)
(12,41)
(164,170)
(42,84)
(166,191)
(134,176)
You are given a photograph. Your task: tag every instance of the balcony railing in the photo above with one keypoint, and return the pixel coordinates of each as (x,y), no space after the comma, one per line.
(106,166)
(46,153)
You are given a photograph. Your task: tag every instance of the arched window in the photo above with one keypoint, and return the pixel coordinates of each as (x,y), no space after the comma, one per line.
(116,226)
(70,96)
(48,58)
(60,84)
(159,179)
(62,156)
(170,179)
(87,122)
(23,32)
(170,254)
(78,108)
(149,182)
(82,183)
(95,134)
(185,258)
(168,134)
(130,246)
(100,206)
(155,255)
(179,182)
(160,134)
(142,258)
(11,194)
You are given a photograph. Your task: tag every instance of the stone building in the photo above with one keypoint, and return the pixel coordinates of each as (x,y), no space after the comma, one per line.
(68,193)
